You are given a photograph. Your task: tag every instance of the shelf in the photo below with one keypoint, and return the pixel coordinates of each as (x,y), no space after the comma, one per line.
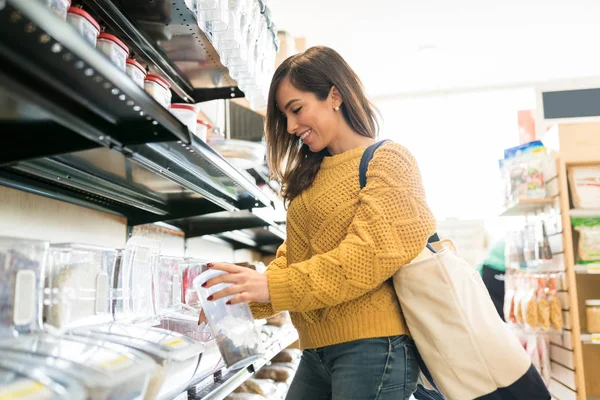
(526,206)
(584,213)
(587,268)
(46,64)
(266,239)
(590,338)
(230,380)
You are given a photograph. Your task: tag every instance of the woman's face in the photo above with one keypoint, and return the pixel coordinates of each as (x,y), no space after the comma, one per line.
(313,121)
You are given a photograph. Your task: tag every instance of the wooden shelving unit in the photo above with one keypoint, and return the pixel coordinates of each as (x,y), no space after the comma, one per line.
(527,206)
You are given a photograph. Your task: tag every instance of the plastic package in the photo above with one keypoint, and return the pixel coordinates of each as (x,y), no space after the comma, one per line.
(232,325)
(530,305)
(21,285)
(168,285)
(187,114)
(509,297)
(77,285)
(592,312)
(278,372)
(192,269)
(106,370)
(556,318)
(588,249)
(543,305)
(287,355)
(263,387)
(114,49)
(177,355)
(202,128)
(244,396)
(84,24)
(136,72)
(187,326)
(519,296)
(241,153)
(60,7)
(585,186)
(159,89)
(19,381)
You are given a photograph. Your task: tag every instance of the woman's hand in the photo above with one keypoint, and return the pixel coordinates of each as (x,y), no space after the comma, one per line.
(246,284)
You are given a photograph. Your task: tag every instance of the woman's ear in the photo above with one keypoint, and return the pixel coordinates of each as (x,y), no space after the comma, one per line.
(335,97)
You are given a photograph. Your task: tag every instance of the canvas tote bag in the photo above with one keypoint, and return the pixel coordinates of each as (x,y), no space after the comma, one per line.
(465,348)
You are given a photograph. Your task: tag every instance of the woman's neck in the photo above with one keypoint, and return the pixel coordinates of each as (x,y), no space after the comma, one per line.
(347,140)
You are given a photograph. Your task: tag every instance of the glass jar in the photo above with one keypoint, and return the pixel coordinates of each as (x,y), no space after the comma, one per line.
(592,311)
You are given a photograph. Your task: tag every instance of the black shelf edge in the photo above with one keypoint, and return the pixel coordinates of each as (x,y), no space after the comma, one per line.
(45,52)
(215,223)
(230,92)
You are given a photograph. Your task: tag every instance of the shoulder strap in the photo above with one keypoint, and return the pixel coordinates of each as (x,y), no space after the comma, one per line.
(365,160)
(362,176)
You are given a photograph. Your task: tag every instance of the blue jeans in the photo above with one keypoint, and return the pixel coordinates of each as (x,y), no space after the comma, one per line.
(369,369)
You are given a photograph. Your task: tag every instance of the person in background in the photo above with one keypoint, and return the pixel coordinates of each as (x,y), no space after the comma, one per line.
(343,244)
(492,271)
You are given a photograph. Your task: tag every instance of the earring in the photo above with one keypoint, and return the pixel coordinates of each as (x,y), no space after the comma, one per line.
(336,108)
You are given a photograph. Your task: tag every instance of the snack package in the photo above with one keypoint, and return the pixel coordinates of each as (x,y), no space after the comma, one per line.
(280,372)
(556,319)
(509,297)
(530,305)
(588,248)
(287,356)
(263,387)
(585,186)
(543,305)
(519,296)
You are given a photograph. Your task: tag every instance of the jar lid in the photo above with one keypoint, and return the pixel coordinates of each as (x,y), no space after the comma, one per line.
(183,106)
(202,122)
(592,303)
(84,14)
(113,38)
(159,80)
(136,64)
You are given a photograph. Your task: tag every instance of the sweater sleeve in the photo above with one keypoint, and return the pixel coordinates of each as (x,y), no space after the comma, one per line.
(265,310)
(389,229)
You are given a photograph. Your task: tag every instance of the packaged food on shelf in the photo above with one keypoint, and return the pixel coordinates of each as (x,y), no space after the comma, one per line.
(191,269)
(168,285)
(543,304)
(188,326)
(187,114)
(60,7)
(556,317)
(232,325)
(202,128)
(77,289)
(244,396)
(240,153)
(159,89)
(136,275)
(278,372)
(530,305)
(588,249)
(585,186)
(287,355)
(107,371)
(114,49)
(509,298)
(136,71)
(84,24)
(592,313)
(19,381)
(176,355)
(263,387)
(21,285)
(519,298)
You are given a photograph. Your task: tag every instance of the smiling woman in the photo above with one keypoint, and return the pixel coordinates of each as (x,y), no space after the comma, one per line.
(314,97)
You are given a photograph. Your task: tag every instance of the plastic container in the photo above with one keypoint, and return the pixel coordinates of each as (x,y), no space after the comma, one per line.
(114,49)
(136,72)
(187,114)
(232,325)
(21,285)
(202,128)
(592,313)
(192,268)
(60,7)
(106,370)
(168,285)
(176,355)
(159,89)
(241,153)
(84,24)
(139,263)
(188,326)
(77,285)
(19,381)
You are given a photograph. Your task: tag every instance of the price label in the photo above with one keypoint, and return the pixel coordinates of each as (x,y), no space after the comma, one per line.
(596,338)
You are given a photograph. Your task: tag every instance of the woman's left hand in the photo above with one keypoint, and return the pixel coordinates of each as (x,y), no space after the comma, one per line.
(246,283)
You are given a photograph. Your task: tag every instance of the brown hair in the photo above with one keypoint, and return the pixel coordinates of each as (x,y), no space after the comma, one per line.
(316,70)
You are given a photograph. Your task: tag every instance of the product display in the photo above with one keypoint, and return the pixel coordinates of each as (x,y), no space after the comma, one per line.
(592,313)
(159,89)
(168,285)
(114,49)
(263,387)
(84,24)
(19,381)
(585,186)
(277,372)
(288,355)
(191,269)
(187,114)
(244,396)
(60,7)
(232,325)
(21,285)
(136,72)
(240,153)
(588,249)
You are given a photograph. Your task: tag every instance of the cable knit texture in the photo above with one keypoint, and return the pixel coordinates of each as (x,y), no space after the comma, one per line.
(343,245)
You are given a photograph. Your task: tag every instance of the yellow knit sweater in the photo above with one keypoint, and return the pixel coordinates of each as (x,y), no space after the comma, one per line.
(343,245)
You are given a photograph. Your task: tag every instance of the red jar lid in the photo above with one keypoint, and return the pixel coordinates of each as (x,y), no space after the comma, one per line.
(136,64)
(84,14)
(182,106)
(200,121)
(159,80)
(113,38)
